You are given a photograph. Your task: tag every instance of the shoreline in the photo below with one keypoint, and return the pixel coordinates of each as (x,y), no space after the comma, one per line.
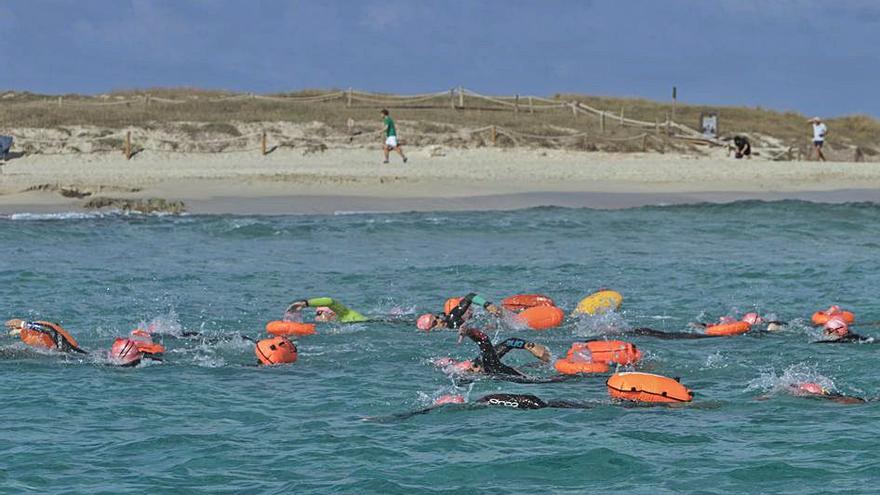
(353,205)
(354,180)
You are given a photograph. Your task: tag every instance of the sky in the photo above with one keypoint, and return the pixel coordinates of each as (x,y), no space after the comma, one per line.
(817,57)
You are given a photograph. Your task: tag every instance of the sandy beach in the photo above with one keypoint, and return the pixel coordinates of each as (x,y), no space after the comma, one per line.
(354,179)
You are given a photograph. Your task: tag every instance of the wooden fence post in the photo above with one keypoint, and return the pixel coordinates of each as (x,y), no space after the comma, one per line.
(574,109)
(494,135)
(516,104)
(621,116)
(263,144)
(146,100)
(602,122)
(531,108)
(348,103)
(461,96)
(127,148)
(452,98)
(645,142)
(60,99)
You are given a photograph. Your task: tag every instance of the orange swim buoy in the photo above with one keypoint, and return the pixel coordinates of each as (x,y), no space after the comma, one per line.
(522,302)
(144,342)
(124,352)
(54,326)
(647,387)
(36,338)
(277,350)
(570,366)
(734,328)
(450,304)
(542,317)
(607,351)
(821,317)
(290,328)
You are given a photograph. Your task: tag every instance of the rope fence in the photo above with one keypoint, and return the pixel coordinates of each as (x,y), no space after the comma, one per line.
(459,98)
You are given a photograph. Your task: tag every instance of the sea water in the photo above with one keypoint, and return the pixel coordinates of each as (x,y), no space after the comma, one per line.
(208,420)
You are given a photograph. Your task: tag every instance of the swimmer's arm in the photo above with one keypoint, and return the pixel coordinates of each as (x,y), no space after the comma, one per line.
(537,350)
(475,298)
(343,312)
(509,344)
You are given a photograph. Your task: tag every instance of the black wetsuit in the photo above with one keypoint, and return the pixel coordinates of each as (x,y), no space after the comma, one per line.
(490,361)
(650,332)
(455,318)
(849,338)
(513,401)
(503,348)
(528,401)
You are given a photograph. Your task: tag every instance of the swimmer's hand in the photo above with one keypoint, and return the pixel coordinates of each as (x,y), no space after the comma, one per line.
(539,351)
(297,306)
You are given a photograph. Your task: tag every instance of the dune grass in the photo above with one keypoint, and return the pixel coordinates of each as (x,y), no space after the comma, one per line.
(435,115)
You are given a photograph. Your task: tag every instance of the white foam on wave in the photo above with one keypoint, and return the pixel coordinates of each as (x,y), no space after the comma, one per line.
(608,323)
(84,215)
(796,374)
(68,215)
(342,213)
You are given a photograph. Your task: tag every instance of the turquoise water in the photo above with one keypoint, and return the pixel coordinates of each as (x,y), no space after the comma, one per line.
(208,420)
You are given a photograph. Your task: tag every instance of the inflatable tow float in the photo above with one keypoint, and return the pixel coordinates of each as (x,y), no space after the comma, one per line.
(276,350)
(596,356)
(822,317)
(647,387)
(281,328)
(541,317)
(599,302)
(522,302)
(143,340)
(36,338)
(535,311)
(728,328)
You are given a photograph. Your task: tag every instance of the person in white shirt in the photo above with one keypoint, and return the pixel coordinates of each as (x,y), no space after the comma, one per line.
(819,132)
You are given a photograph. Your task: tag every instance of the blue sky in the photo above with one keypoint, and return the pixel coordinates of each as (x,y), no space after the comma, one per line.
(817,57)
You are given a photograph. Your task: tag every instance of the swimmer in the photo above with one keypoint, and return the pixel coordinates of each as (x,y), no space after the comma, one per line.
(512,401)
(660,334)
(476,365)
(836,331)
(44,334)
(753,319)
(489,362)
(328,310)
(814,390)
(457,316)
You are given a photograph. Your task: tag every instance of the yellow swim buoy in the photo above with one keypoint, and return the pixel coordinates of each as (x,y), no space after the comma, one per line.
(599,302)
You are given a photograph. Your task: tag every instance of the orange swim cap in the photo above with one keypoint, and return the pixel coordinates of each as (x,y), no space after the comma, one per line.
(277,350)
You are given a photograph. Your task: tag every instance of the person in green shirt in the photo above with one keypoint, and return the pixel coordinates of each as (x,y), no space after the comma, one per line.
(390,137)
(343,314)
